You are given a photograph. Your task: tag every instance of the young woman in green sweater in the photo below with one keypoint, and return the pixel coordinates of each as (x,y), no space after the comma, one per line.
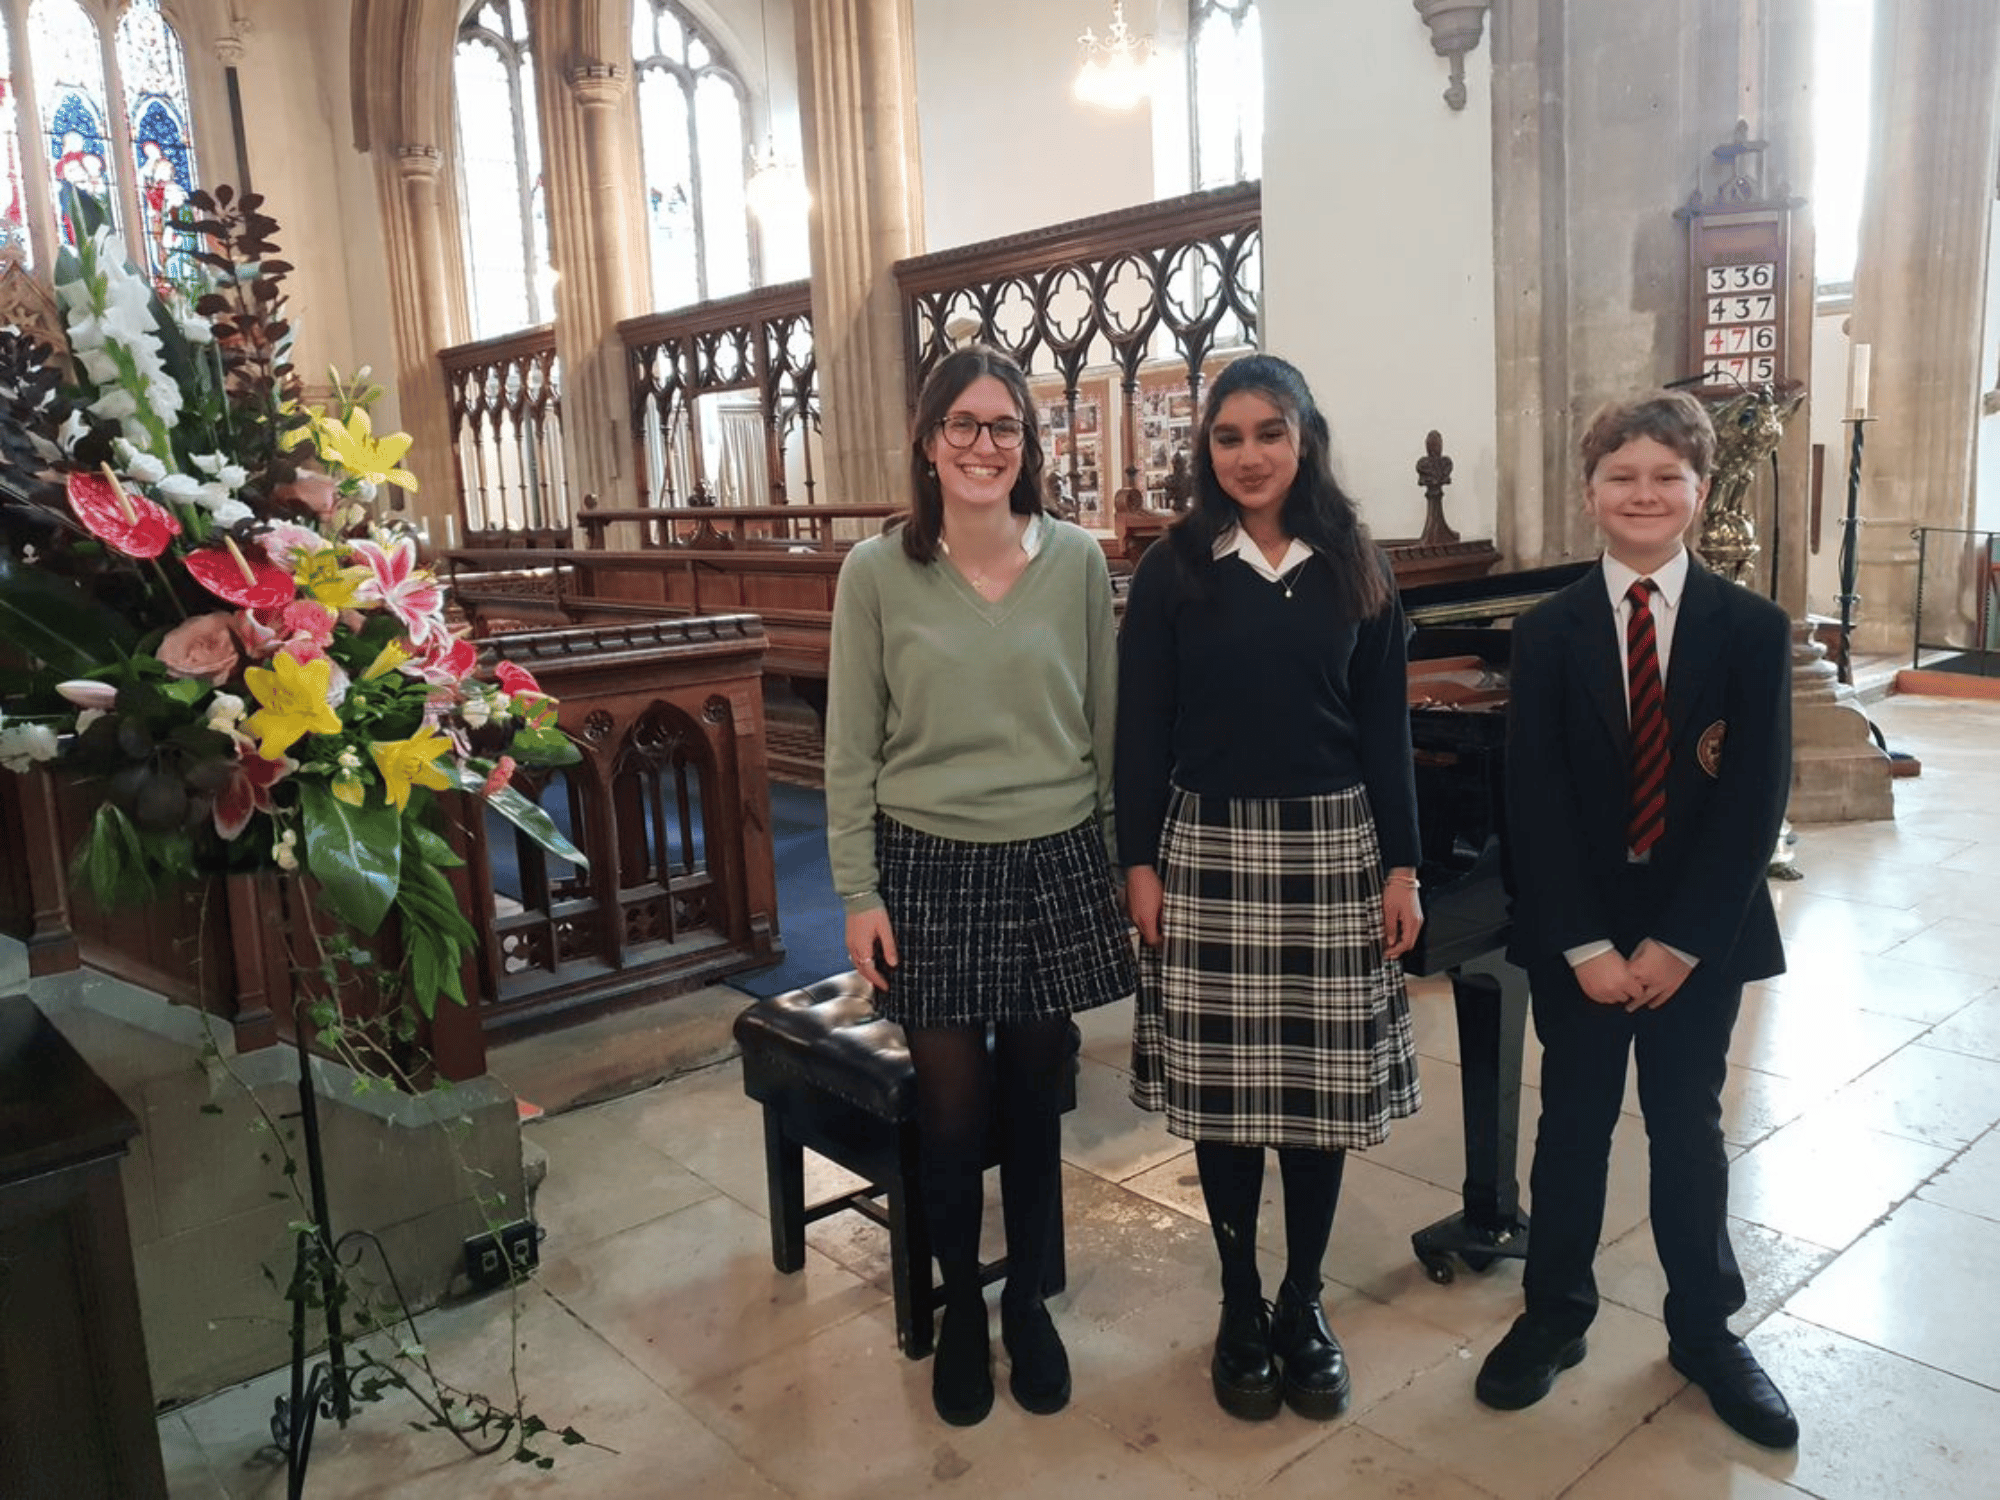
(971,702)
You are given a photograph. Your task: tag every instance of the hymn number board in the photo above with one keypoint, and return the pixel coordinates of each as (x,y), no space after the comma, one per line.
(1737,285)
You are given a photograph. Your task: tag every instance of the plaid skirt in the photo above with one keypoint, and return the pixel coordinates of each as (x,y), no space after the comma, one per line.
(1019,931)
(1269,1017)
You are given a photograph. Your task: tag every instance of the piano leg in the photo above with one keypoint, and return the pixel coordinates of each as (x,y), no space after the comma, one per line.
(1491,999)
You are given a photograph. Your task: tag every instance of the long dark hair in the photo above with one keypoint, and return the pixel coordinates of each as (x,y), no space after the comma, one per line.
(944,385)
(1316,510)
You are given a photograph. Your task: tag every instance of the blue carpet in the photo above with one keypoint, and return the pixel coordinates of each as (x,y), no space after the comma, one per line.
(810,917)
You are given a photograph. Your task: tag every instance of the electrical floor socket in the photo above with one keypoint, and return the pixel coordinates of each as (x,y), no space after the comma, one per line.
(488,1256)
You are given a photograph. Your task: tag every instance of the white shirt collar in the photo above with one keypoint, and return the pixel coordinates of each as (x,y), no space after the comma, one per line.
(1236,542)
(1032,535)
(1670,578)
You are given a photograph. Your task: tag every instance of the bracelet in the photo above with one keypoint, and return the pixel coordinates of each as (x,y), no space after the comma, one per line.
(857,896)
(1409,880)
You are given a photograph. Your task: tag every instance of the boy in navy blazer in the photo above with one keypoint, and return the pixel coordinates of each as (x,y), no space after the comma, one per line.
(1641,823)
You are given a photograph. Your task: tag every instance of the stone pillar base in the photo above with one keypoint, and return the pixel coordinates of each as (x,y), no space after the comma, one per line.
(1839,773)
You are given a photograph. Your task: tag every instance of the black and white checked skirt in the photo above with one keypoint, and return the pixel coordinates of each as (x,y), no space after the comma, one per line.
(1019,931)
(1269,1017)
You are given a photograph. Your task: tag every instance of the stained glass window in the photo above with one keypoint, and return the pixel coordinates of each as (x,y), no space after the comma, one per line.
(694,134)
(75,116)
(1226,91)
(508,282)
(154,72)
(13,186)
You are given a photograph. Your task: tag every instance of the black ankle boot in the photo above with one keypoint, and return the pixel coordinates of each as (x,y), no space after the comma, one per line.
(1246,1381)
(962,1367)
(1315,1367)
(1039,1377)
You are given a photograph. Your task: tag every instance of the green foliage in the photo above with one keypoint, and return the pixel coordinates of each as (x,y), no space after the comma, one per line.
(524,815)
(356,854)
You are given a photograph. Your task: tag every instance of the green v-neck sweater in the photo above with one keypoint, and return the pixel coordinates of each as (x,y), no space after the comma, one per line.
(984,722)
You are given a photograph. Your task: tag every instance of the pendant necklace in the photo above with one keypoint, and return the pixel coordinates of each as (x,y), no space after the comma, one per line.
(1286,580)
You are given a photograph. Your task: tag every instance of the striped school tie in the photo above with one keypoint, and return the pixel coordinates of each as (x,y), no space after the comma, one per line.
(1649,723)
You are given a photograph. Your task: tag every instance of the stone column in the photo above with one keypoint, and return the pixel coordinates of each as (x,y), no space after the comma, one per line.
(592,247)
(1919,292)
(857,72)
(421,289)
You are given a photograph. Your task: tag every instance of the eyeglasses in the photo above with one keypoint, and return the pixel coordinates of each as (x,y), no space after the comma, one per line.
(962,431)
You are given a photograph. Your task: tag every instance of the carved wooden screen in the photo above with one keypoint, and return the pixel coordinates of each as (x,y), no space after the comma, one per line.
(758,346)
(506,432)
(1102,307)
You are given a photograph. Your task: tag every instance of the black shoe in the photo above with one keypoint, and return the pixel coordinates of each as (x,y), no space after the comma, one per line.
(1246,1381)
(1739,1390)
(962,1367)
(1525,1363)
(1315,1366)
(1039,1378)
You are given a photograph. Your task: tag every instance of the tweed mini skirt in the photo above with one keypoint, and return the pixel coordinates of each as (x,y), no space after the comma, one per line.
(1269,1016)
(1018,931)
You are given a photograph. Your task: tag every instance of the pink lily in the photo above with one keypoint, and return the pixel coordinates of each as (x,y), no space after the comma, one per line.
(410,593)
(248,790)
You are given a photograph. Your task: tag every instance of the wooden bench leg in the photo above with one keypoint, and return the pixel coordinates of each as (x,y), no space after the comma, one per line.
(785,1181)
(910,1248)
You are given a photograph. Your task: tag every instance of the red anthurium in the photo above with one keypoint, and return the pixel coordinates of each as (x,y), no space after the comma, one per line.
(226,573)
(516,679)
(248,790)
(130,523)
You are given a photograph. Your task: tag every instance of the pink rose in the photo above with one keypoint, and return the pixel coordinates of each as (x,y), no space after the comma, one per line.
(308,618)
(316,492)
(203,647)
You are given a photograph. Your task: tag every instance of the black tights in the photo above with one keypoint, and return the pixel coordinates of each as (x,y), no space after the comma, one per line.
(965,1097)
(1232,1183)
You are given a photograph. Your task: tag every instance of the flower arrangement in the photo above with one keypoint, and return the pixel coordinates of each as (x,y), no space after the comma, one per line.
(203,611)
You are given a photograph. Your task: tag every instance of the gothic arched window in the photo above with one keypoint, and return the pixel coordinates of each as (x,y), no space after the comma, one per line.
(68,59)
(1226,91)
(13,187)
(154,73)
(694,129)
(502,205)
(125,136)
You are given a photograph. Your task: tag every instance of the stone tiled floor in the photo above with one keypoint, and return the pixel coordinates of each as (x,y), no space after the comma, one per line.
(1862,1102)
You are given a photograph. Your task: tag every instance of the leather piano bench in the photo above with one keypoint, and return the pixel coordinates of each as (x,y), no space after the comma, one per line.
(835,1077)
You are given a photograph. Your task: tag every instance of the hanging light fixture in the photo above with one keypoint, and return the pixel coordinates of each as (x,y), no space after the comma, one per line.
(776,189)
(1117,71)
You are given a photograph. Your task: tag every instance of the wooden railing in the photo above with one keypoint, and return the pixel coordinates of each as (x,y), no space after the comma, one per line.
(726,527)
(240,947)
(759,345)
(506,431)
(1118,319)
(671,804)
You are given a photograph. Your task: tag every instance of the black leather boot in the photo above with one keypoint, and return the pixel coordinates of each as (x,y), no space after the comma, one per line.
(1315,1366)
(1039,1373)
(1246,1381)
(962,1367)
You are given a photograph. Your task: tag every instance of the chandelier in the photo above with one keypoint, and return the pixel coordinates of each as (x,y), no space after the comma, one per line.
(1117,71)
(775,190)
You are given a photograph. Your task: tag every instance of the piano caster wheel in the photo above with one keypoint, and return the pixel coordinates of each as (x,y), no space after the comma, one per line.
(1438,1268)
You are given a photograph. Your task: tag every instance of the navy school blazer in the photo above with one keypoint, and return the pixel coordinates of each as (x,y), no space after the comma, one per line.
(1569,756)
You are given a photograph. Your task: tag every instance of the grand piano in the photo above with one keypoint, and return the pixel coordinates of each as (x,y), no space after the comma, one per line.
(1459,655)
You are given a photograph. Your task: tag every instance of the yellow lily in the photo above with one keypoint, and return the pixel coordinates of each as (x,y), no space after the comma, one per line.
(294,698)
(386,661)
(407,763)
(321,575)
(354,446)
